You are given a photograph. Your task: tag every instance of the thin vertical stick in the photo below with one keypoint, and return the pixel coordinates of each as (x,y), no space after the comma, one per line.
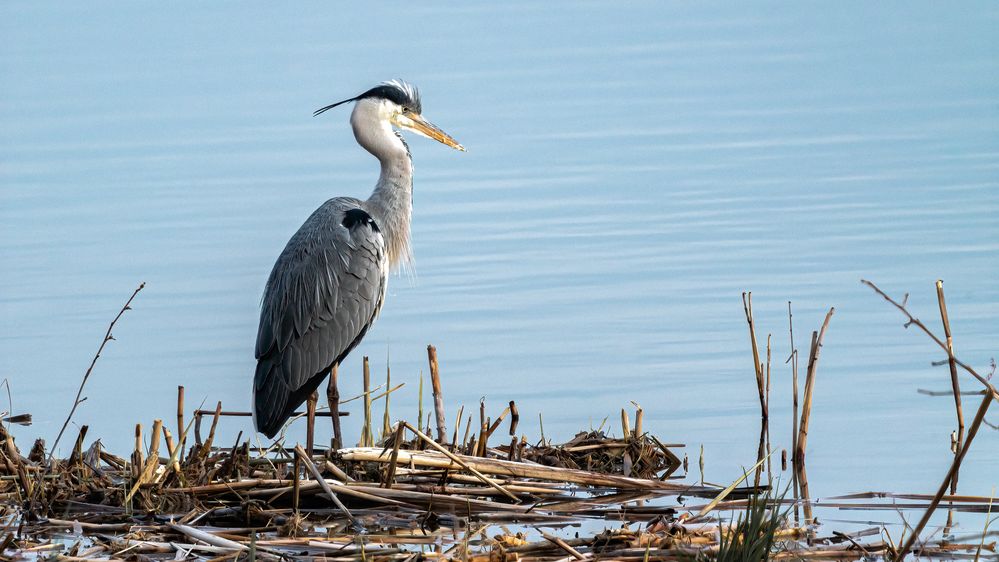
(514,418)
(333,397)
(793,358)
(951,474)
(747,305)
(419,413)
(806,412)
(766,423)
(468,429)
(435,380)
(484,438)
(181,434)
(457,426)
(295,485)
(806,407)
(366,438)
(137,453)
(483,428)
(310,420)
(625,425)
(953,375)
(386,426)
(639,416)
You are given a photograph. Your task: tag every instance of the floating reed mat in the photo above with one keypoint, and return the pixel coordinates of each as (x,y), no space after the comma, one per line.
(407,498)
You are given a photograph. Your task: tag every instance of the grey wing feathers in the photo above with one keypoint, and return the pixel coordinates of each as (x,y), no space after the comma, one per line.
(322,295)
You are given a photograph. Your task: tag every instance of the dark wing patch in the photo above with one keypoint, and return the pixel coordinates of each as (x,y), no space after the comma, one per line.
(354,217)
(323,293)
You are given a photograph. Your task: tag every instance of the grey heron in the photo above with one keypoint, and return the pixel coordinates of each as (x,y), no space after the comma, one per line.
(329,282)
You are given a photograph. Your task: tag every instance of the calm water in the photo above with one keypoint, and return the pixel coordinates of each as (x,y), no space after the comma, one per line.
(629,174)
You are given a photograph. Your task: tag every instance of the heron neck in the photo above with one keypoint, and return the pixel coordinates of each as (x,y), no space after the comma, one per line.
(391,204)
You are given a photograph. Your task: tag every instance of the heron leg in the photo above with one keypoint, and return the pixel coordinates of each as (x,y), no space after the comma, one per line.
(333,397)
(310,408)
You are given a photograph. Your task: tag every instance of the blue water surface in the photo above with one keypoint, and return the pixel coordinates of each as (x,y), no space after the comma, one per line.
(631,170)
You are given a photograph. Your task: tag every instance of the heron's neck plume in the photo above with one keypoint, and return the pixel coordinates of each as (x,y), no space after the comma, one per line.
(391,204)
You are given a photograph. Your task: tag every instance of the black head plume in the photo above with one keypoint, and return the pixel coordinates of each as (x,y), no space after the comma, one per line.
(396,91)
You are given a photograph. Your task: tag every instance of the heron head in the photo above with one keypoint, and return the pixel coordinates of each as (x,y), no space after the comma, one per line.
(398,102)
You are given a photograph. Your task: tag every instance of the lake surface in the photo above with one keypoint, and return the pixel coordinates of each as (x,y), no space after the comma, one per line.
(630,172)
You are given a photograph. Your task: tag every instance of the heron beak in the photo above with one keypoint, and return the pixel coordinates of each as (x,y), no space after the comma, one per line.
(421,126)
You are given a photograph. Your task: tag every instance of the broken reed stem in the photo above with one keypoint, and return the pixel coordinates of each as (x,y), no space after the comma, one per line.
(457,426)
(394,459)
(295,485)
(435,380)
(172,449)
(639,417)
(386,427)
(86,376)
(77,455)
(468,429)
(310,420)
(366,439)
(333,398)
(813,361)
(951,474)
(747,306)
(207,447)
(913,321)
(514,418)
(180,422)
(953,368)
(137,453)
(154,451)
(766,423)
(483,431)
(419,393)
(793,358)
(806,410)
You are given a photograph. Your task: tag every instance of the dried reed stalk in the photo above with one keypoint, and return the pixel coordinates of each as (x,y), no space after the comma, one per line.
(435,381)
(207,446)
(180,421)
(955,384)
(388,385)
(333,397)
(310,420)
(793,359)
(366,438)
(514,418)
(747,305)
(806,409)
(394,458)
(951,474)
